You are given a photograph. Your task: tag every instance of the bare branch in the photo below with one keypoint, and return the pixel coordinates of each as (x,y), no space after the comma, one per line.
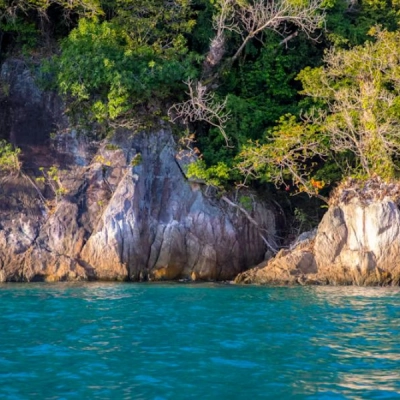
(201,106)
(274,15)
(249,20)
(223,21)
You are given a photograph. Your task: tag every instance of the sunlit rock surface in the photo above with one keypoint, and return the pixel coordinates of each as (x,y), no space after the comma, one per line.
(357,242)
(127,210)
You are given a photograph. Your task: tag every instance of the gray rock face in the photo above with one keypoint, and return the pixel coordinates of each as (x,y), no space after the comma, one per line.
(27,114)
(360,243)
(357,242)
(127,211)
(293,266)
(158,226)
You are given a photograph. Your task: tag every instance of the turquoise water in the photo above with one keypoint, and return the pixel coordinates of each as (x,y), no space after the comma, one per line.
(175,341)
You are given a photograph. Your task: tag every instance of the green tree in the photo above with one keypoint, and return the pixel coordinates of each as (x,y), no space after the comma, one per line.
(290,155)
(9,157)
(355,122)
(27,22)
(11,9)
(360,89)
(109,67)
(348,22)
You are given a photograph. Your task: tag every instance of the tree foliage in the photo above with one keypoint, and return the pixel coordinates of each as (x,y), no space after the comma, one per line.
(9,160)
(360,89)
(118,59)
(110,66)
(356,123)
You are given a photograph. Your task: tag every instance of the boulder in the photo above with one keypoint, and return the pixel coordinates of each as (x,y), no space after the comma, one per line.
(288,267)
(357,242)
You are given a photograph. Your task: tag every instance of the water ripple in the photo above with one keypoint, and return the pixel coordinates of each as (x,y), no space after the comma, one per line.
(173,341)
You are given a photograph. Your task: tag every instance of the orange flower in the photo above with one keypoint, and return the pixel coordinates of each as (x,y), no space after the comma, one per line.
(317,184)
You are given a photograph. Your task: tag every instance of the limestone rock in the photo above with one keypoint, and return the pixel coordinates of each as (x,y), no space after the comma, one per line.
(158,226)
(127,211)
(362,246)
(357,242)
(295,266)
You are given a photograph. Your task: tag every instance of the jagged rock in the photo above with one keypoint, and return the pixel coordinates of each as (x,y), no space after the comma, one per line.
(294,266)
(357,242)
(158,226)
(127,211)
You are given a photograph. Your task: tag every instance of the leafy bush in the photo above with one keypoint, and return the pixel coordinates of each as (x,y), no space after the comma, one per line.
(111,66)
(9,156)
(217,175)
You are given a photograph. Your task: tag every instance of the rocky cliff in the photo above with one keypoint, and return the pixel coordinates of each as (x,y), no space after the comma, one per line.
(357,242)
(110,210)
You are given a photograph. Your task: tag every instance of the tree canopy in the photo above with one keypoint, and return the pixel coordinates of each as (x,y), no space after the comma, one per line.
(352,127)
(295,92)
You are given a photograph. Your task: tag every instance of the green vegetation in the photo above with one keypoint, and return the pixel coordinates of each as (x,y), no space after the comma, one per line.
(354,127)
(298,93)
(51,178)
(110,66)
(30,24)
(9,157)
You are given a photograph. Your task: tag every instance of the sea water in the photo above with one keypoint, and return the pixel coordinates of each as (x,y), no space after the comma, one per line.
(181,341)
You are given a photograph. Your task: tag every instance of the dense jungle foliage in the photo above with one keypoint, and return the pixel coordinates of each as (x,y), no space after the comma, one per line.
(300,93)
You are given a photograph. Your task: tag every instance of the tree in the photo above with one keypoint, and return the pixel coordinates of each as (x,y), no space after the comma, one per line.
(251,18)
(360,90)
(355,122)
(25,21)
(10,9)
(288,157)
(348,21)
(139,55)
(201,106)
(248,19)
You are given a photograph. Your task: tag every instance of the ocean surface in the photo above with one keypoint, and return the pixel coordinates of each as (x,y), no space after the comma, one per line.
(181,341)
